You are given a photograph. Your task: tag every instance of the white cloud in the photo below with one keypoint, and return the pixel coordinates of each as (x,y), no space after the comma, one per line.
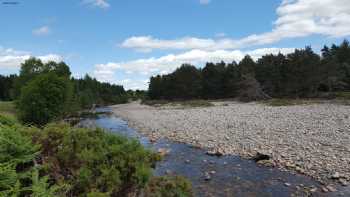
(204,2)
(168,63)
(12,59)
(132,84)
(42,31)
(97,3)
(296,18)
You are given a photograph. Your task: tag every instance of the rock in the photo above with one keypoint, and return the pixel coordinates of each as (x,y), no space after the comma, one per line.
(261,156)
(168,172)
(187,161)
(207,177)
(267,163)
(287,184)
(215,152)
(313,190)
(163,151)
(324,189)
(152,139)
(335,175)
(343,182)
(300,170)
(331,188)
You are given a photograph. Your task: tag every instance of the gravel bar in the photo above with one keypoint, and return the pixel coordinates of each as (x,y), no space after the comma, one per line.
(309,139)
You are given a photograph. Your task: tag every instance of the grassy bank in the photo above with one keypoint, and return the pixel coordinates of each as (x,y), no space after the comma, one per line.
(8,110)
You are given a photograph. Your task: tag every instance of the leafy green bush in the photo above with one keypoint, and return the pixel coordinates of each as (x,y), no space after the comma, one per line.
(343,95)
(7,120)
(169,186)
(44,99)
(60,160)
(93,160)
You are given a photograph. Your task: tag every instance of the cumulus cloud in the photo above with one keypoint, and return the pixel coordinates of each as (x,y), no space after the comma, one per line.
(42,31)
(97,3)
(168,63)
(12,59)
(296,18)
(132,84)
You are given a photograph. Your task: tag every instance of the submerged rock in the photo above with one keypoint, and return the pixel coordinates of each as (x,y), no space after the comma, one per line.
(163,151)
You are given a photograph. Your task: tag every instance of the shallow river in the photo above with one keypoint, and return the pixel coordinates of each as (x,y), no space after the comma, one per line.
(229,175)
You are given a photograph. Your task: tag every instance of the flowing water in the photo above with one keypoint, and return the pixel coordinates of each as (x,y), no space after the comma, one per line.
(228,175)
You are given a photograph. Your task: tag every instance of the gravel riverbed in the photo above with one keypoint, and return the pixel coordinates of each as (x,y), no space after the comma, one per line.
(309,139)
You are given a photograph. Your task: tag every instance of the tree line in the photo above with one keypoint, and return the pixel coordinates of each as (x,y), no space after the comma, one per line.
(301,74)
(45,91)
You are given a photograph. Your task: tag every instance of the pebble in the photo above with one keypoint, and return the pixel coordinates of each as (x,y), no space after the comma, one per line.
(343,182)
(168,172)
(207,177)
(331,188)
(163,151)
(336,175)
(324,189)
(313,190)
(287,184)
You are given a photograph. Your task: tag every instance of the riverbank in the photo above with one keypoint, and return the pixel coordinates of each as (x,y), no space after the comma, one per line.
(309,139)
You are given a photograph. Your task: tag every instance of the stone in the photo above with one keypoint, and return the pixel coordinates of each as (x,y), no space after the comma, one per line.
(336,175)
(163,151)
(261,156)
(313,190)
(324,189)
(207,177)
(267,163)
(343,182)
(287,184)
(215,152)
(168,172)
(331,188)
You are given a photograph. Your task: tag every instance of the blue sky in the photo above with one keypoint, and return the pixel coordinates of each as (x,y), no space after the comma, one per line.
(126,42)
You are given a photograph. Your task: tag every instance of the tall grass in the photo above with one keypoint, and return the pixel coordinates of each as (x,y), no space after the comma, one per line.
(8,109)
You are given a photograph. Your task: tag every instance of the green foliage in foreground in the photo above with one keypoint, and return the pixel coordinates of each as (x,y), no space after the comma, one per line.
(90,160)
(169,187)
(60,160)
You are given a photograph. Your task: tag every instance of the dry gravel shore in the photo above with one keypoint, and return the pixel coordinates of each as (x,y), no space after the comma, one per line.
(310,139)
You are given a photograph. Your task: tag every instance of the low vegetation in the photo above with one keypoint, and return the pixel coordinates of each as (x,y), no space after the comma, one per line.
(59,160)
(169,186)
